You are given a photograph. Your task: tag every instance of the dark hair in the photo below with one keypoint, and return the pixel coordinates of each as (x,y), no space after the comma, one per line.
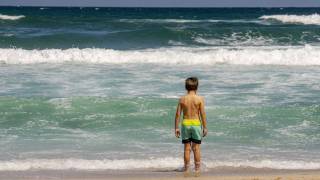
(192,84)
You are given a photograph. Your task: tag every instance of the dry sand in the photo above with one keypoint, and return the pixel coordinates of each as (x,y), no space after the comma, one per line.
(214,174)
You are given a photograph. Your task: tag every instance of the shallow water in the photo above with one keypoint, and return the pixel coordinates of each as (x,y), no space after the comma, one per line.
(256,115)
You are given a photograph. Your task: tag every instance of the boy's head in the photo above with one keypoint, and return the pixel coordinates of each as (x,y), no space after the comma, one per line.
(191,84)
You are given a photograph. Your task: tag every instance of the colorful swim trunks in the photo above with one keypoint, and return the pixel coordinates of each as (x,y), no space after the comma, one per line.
(191,131)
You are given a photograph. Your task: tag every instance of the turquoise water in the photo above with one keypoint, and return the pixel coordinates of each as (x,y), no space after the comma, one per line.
(98,88)
(90,112)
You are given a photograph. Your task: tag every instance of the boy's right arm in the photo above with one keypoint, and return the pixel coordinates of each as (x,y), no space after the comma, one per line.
(177,120)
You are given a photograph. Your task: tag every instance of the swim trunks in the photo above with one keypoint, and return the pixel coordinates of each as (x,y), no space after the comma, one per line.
(191,131)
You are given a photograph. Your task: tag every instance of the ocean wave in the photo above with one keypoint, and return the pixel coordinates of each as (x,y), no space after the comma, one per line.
(303,19)
(176,43)
(306,55)
(126,164)
(9,17)
(192,21)
(237,39)
(300,131)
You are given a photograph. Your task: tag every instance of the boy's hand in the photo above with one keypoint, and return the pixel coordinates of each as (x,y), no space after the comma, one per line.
(177,133)
(205,132)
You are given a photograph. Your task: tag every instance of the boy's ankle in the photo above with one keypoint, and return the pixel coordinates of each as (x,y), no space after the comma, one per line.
(186,167)
(197,166)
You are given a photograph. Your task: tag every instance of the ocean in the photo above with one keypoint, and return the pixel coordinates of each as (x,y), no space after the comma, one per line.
(97,88)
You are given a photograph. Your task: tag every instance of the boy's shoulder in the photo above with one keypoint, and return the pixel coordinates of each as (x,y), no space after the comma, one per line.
(182,98)
(200,98)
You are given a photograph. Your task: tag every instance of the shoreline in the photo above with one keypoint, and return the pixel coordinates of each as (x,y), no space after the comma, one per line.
(161,174)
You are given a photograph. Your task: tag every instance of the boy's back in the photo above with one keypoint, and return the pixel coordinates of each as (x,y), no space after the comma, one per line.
(191,106)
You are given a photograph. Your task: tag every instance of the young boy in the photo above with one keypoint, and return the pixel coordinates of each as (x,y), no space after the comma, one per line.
(194,124)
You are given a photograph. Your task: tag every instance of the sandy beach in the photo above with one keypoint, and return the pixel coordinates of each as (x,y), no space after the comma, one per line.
(217,173)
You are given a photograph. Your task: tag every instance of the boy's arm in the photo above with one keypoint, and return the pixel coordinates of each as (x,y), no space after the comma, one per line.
(203,117)
(177,120)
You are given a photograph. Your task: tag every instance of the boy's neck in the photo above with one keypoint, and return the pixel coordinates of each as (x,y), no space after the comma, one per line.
(192,92)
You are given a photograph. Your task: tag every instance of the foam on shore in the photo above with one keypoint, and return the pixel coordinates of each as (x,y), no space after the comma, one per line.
(127,164)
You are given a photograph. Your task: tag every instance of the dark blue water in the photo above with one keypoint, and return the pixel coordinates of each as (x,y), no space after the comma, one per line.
(139,28)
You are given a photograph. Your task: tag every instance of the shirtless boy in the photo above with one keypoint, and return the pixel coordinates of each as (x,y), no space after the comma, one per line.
(194,124)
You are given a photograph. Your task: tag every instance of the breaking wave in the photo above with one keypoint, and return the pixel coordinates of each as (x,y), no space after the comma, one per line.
(7,17)
(192,21)
(306,55)
(237,39)
(303,19)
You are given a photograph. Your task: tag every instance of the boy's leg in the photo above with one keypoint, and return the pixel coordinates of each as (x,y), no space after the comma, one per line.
(196,152)
(187,150)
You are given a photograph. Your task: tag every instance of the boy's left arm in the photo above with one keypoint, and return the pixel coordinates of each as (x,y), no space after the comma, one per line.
(203,117)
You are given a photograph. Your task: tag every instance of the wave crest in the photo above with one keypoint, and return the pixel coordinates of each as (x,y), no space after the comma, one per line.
(303,19)
(238,39)
(307,55)
(160,21)
(8,17)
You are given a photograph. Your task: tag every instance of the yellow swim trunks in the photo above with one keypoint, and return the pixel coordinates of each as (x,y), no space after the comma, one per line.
(191,131)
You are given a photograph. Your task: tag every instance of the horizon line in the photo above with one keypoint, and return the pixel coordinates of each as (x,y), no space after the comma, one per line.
(187,7)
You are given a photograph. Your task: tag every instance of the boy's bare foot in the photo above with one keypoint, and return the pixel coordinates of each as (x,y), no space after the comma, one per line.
(186,174)
(186,170)
(197,169)
(197,173)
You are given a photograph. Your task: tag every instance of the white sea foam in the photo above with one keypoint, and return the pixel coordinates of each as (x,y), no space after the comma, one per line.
(299,131)
(303,19)
(125,164)
(168,20)
(273,164)
(192,21)
(307,55)
(8,35)
(7,17)
(175,43)
(237,39)
(81,164)
(61,103)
